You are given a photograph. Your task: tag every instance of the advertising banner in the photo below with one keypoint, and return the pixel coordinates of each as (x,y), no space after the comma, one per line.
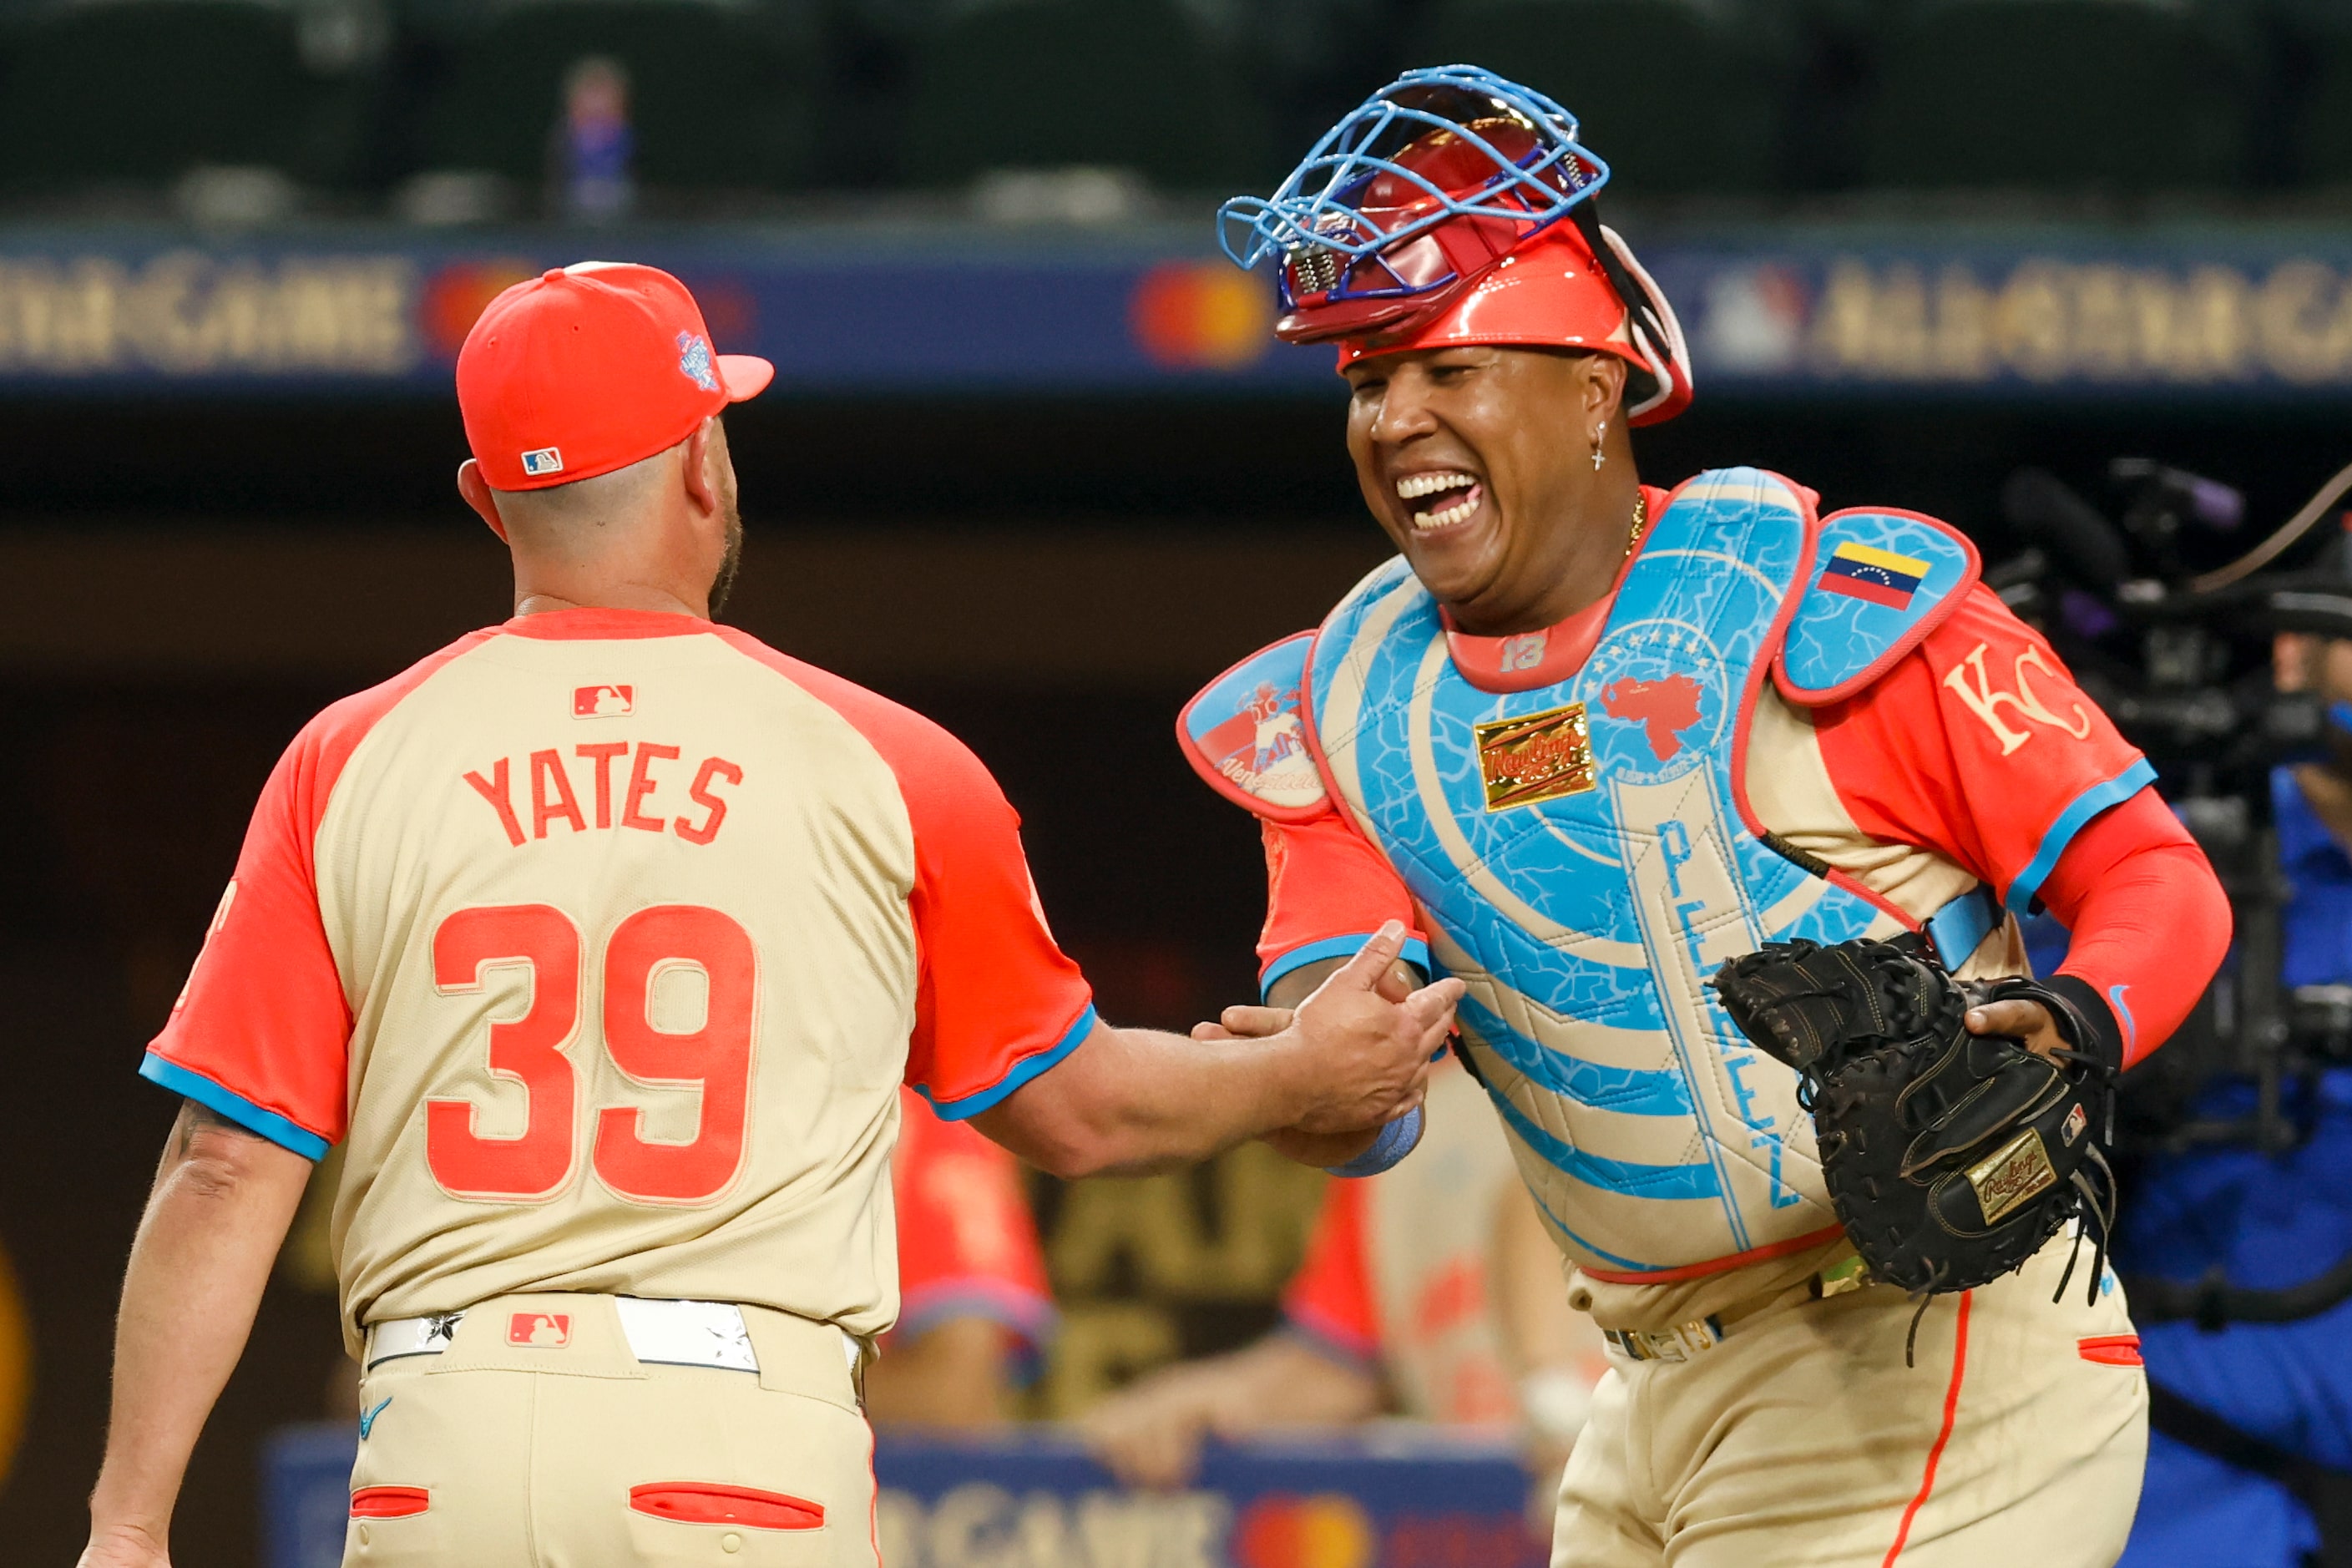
(2057,313)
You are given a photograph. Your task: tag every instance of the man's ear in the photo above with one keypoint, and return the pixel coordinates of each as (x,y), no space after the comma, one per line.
(476,491)
(706,453)
(1604,393)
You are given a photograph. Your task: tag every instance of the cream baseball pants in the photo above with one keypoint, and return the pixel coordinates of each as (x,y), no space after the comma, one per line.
(534,1435)
(1801,1439)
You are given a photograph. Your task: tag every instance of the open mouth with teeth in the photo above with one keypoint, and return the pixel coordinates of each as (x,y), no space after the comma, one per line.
(1440,500)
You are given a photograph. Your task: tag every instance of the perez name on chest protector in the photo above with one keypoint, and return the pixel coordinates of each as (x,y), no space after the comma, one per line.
(1583,854)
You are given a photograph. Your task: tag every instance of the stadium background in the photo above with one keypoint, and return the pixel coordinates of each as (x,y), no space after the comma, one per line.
(1031,463)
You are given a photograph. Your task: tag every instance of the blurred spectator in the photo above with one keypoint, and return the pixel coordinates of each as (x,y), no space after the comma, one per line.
(594,146)
(1430,1291)
(974,1311)
(2251,1460)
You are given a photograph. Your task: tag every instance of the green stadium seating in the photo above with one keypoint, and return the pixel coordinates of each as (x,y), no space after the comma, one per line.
(2129,96)
(720,94)
(1674,97)
(1035,84)
(142,91)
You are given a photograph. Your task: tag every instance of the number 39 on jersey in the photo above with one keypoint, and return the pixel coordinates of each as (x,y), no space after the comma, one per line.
(653,961)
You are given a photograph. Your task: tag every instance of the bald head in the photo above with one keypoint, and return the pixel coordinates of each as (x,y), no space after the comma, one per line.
(662,533)
(588,515)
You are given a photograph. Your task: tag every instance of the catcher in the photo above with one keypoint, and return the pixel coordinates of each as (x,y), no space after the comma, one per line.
(1602,741)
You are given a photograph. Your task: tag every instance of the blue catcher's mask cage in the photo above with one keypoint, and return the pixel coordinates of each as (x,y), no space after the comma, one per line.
(1336,250)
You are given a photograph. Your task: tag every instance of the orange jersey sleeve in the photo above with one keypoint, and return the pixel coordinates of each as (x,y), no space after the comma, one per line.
(2148,919)
(1978,744)
(967,1244)
(1330,1298)
(261,1032)
(1328,891)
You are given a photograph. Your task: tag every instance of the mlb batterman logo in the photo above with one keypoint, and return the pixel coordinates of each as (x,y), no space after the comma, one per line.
(542,1331)
(603,701)
(546,460)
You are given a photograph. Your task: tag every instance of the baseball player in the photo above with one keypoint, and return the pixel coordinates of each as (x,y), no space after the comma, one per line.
(1596,738)
(603,940)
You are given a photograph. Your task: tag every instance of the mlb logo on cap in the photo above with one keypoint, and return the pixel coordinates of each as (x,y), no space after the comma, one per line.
(546,460)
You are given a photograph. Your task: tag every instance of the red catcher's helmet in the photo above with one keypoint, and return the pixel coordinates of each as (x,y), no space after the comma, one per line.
(1554,292)
(1454,206)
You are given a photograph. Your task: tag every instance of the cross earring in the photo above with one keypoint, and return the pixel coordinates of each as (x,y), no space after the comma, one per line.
(1603,429)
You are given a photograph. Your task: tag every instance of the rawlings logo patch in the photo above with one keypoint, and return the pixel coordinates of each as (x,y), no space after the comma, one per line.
(2011,1175)
(1538,757)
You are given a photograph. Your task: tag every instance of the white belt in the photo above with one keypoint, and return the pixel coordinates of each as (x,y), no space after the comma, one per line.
(669,1333)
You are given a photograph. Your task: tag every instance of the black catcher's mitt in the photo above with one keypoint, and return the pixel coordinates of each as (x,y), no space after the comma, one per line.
(1951,1157)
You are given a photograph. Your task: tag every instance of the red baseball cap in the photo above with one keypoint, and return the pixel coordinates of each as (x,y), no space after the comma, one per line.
(589,368)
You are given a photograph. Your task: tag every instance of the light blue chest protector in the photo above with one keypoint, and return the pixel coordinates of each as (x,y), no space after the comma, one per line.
(1584,858)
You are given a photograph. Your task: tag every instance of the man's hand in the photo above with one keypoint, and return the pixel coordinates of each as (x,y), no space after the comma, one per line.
(1321,1150)
(2020,1020)
(1372,1055)
(1151,1432)
(124,1548)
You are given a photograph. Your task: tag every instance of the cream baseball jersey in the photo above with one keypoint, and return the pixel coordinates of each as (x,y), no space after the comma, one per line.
(603,941)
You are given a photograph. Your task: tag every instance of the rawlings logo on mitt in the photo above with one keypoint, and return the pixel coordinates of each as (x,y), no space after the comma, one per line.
(1951,1157)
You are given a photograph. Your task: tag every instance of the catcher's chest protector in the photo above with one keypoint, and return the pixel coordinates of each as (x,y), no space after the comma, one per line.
(1584,864)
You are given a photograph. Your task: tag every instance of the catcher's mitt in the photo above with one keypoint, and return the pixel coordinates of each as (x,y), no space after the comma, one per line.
(1951,1157)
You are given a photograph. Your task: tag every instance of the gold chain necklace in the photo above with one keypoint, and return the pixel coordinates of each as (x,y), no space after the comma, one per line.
(1640,520)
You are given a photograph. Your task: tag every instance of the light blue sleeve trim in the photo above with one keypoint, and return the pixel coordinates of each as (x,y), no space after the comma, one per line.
(191,1085)
(2070,821)
(1396,1140)
(1415,953)
(1021,1072)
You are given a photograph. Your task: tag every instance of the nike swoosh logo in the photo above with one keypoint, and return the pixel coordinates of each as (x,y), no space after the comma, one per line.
(367,1419)
(2131,1030)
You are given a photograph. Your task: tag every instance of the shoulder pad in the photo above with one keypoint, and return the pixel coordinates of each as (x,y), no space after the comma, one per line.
(1882,579)
(1246,734)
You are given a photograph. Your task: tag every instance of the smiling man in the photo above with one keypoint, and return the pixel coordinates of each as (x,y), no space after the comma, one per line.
(1595,738)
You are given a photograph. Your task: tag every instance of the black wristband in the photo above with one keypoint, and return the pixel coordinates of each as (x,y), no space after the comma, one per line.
(2088,1013)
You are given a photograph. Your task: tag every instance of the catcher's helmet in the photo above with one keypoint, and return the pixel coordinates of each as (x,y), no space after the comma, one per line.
(1396,231)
